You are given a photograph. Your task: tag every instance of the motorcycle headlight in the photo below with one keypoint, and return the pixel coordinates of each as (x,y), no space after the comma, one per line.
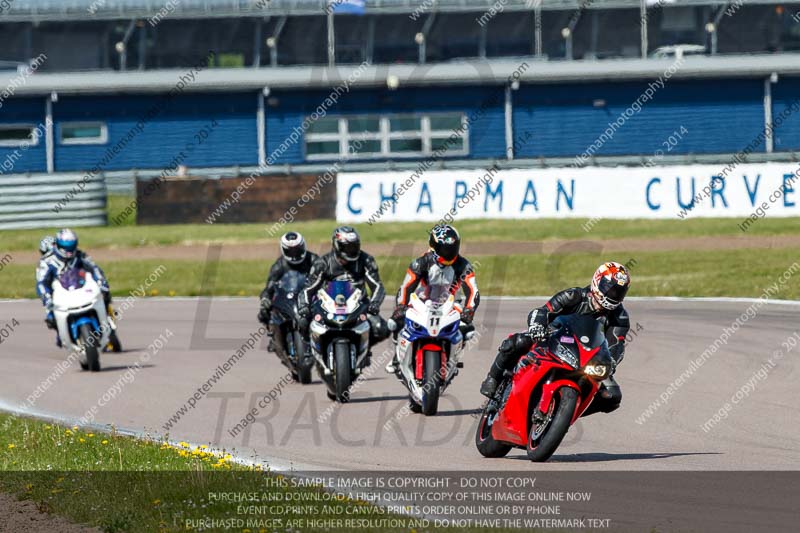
(597,371)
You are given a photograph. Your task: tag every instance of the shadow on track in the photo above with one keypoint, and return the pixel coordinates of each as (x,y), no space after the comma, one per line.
(117,368)
(367,399)
(460,412)
(604,457)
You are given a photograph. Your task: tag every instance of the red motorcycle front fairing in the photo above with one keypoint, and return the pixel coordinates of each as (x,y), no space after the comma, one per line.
(549,389)
(512,423)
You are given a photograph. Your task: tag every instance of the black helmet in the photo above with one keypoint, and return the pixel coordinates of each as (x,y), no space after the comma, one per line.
(445,242)
(610,284)
(293,247)
(346,243)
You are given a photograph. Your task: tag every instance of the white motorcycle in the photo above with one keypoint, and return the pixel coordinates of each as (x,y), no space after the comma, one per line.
(83,323)
(429,346)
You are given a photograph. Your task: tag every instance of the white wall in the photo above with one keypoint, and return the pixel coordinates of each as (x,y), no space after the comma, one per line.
(624,192)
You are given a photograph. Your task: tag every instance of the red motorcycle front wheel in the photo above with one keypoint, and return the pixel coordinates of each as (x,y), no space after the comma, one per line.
(545,435)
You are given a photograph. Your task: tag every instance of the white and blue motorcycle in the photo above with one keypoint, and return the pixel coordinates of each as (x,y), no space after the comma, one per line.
(429,347)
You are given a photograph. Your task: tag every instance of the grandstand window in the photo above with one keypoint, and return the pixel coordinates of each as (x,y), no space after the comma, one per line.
(83,133)
(371,137)
(18,134)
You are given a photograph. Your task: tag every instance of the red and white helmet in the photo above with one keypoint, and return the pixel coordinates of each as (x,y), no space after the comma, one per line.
(610,284)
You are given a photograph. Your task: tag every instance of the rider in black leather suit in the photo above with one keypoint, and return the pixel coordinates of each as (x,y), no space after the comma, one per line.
(294,256)
(346,261)
(603,300)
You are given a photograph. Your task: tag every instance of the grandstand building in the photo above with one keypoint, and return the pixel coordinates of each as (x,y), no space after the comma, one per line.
(123,87)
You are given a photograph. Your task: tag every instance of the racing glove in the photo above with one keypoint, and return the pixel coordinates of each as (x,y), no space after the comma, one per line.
(617,355)
(537,332)
(399,314)
(50,320)
(263,315)
(303,312)
(467,315)
(374,308)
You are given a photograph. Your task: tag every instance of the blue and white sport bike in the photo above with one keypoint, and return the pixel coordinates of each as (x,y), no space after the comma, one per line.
(83,323)
(429,346)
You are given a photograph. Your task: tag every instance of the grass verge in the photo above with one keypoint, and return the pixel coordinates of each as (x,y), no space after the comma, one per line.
(691,273)
(130,235)
(119,483)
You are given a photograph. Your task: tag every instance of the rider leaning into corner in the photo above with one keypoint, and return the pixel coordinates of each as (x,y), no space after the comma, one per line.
(346,261)
(64,254)
(442,264)
(294,257)
(601,299)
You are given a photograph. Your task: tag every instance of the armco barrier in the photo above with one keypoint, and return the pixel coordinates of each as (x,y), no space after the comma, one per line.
(123,184)
(28,201)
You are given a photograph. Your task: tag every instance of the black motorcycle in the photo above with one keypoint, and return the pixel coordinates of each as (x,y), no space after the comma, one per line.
(288,341)
(339,337)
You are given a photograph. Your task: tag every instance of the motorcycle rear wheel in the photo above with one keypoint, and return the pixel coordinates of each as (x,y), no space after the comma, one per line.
(544,439)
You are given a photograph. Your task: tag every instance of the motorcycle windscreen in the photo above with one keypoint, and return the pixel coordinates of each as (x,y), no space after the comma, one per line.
(292,282)
(72,278)
(287,289)
(575,336)
(340,292)
(437,294)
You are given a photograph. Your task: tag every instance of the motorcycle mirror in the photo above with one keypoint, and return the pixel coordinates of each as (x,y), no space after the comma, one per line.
(392,325)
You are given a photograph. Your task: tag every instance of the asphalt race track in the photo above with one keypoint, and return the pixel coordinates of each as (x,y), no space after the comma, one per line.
(294,431)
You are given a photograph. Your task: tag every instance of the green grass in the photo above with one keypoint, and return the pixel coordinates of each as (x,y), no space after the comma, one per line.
(122,207)
(130,235)
(743,273)
(119,483)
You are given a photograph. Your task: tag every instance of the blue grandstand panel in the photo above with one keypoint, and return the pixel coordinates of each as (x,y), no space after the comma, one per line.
(15,158)
(483,107)
(172,131)
(718,116)
(785,103)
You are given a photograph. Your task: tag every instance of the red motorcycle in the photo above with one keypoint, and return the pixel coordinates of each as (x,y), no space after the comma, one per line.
(551,388)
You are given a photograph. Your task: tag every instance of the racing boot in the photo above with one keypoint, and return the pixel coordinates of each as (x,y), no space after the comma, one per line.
(489,387)
(392,367)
